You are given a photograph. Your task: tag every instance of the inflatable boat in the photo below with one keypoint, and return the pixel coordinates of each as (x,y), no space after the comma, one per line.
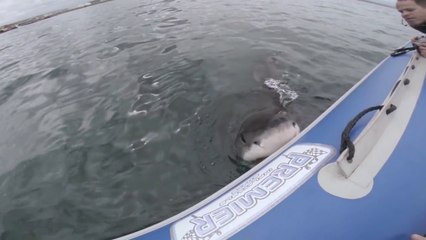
(357,172)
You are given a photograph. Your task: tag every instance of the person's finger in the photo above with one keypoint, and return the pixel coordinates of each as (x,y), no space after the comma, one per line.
(417,237)
(414,39)
(422,51)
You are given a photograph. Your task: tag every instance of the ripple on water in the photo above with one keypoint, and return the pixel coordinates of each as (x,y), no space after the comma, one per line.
(172,22)
(169,49)
(12,87)
(3,68)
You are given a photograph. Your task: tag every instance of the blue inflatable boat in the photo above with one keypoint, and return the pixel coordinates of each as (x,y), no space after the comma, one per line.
(357,172)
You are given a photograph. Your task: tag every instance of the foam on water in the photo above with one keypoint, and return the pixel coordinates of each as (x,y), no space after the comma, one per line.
(280,86)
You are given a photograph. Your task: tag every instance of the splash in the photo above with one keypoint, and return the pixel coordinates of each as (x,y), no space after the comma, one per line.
(280,86)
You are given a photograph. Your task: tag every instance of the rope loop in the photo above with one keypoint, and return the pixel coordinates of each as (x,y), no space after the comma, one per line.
(346,141)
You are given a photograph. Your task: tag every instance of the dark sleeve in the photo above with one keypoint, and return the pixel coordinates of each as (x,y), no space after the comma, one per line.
(421,28)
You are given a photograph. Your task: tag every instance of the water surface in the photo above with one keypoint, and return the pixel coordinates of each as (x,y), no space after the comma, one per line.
(117,116)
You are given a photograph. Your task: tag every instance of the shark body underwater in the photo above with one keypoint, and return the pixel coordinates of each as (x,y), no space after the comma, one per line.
(264,132)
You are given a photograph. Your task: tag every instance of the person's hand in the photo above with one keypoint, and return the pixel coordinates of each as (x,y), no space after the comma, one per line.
(422,52)
(417,237)
(420,42)
(415,39)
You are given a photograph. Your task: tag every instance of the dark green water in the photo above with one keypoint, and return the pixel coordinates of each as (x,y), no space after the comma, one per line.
(117,116)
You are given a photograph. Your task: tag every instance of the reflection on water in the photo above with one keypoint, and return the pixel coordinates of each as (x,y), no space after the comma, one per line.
(117,116)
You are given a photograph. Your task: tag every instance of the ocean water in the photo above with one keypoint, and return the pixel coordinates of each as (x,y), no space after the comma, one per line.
(117,116)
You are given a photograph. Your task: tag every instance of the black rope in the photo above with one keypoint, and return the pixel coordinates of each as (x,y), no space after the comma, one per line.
(346,140)
(401,51)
